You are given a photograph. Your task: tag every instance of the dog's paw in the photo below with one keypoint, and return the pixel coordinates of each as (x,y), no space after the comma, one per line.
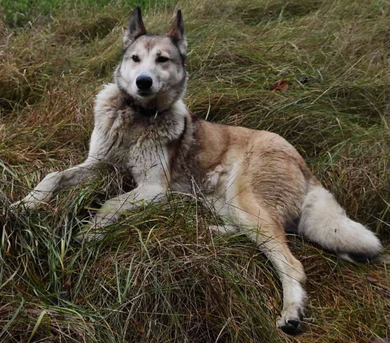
(289,326)
(95,229)
(90,233)
(291,321)
(89,236)
(223,229)
(22,206)
(14,208)
(102,219)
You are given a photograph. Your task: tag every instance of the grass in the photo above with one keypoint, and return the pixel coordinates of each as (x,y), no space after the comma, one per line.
(160,275)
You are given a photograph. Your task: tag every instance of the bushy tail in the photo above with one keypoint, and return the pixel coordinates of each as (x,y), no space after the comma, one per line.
(325,222)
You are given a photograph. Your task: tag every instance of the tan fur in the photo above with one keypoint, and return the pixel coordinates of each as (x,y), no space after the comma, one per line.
(255,180)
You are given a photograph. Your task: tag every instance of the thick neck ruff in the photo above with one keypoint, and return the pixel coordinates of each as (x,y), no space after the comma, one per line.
(143,111)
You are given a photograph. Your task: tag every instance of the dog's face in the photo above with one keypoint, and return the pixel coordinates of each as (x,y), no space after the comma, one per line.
(152,71)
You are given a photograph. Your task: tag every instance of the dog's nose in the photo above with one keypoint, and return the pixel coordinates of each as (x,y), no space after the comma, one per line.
(144,82)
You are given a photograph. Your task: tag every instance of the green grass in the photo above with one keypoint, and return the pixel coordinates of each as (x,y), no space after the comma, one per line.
(159,275)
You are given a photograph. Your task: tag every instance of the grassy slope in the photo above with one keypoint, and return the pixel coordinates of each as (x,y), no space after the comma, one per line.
(161,276)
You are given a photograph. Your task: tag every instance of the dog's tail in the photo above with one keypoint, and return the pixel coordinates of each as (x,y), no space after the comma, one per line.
(325,222)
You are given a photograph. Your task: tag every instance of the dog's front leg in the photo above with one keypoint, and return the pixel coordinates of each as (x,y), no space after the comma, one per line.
(111,210)
(56,181)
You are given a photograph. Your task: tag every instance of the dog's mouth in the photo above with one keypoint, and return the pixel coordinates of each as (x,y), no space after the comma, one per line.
(145,94)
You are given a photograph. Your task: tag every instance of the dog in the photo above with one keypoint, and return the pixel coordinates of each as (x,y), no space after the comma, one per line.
(256,181)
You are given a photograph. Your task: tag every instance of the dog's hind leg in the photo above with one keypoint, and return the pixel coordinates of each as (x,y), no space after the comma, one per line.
(56,181)
(224,229)
(290,272)
(255,221)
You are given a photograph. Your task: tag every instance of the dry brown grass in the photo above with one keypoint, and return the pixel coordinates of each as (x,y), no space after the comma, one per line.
(160,275)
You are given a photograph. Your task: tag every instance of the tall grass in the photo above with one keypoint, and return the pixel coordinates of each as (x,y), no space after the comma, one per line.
(160,275)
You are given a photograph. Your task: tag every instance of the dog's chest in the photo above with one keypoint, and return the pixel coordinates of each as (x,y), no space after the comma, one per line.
(137,146)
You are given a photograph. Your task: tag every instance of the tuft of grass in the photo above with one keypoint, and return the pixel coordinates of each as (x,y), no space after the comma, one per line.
(160,275)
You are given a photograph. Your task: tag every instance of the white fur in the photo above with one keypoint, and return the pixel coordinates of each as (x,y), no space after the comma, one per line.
(224,229)
(294,296)
(325,222)
(112,142)
(55,181)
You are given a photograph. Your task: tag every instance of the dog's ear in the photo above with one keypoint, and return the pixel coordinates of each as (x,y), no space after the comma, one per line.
(177,34)
(135,28)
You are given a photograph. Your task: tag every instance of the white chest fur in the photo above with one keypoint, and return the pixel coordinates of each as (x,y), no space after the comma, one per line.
(134,143)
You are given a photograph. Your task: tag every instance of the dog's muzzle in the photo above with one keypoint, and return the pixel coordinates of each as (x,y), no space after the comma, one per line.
(144,83)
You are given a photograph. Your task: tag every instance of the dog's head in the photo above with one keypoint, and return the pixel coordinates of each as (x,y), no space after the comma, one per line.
(152,73)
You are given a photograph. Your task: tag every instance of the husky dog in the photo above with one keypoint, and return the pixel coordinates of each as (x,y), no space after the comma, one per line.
(257,182)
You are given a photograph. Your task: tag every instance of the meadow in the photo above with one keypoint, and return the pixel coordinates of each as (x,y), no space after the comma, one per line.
(160,275)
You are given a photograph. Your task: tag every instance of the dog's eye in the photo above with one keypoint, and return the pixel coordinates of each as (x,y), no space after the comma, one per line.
(135,58)
(162,59)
